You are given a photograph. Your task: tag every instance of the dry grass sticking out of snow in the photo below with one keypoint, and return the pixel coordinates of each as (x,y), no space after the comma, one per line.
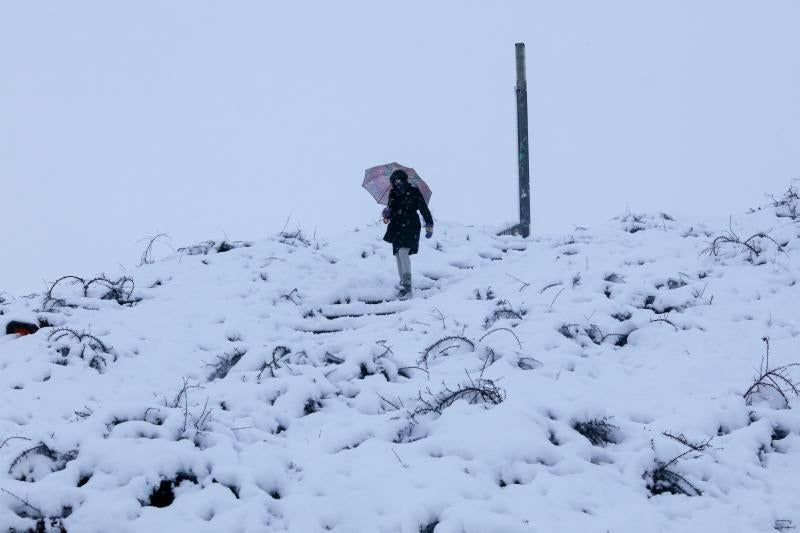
(636,377)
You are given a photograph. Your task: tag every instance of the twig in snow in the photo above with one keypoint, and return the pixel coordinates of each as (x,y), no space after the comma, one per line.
(698,447)
(528,363)
(146,411)
(290,297)
(550,307)
(396,408)
(502,329)
(524,284)
(698,293)
(414,368)
(440,316)
(386,349)
(665,320)
(398,458)
(182,393)
(24,502)
(490,359)
(550,286)
(201,421)
(12,438)
(147,254)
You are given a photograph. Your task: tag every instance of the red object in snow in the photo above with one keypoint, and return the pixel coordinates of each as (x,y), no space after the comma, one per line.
(16,327)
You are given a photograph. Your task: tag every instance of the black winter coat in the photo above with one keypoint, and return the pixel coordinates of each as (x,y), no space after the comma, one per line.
(404,227)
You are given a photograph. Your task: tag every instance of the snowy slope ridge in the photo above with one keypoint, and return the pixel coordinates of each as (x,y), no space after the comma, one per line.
(600,381)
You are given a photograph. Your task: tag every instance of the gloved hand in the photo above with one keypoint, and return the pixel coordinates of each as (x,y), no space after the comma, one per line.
(428,232)
(387,214)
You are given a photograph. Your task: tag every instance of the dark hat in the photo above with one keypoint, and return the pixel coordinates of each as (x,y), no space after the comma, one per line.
(398,174)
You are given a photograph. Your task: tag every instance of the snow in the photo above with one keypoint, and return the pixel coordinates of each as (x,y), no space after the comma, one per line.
(278,386)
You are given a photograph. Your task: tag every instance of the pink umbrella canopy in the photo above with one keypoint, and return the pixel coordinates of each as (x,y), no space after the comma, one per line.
(376,182)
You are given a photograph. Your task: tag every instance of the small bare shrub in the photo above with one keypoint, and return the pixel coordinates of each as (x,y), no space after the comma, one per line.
(294,238)
(597,430)
(503,311)
(69,343)
(195,424)
(480,391)
(225,363)
(528,363)
(753,246)
(664,480)
(205,247)
(487,295)
(311,406)
(776,379)
(278,355)
(26,467)
(788,205)
(593,333)
(613,277)
(443,345)
(163,495)
(119,290)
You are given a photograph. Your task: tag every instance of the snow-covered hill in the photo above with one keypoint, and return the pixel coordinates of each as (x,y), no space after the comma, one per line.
(601,381)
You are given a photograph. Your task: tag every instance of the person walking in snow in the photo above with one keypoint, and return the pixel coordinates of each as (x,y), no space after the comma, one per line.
(404,227)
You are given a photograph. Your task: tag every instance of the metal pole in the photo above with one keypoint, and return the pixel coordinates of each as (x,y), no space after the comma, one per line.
(522,142)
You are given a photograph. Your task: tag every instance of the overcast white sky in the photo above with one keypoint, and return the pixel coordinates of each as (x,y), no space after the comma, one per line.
(202,119)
